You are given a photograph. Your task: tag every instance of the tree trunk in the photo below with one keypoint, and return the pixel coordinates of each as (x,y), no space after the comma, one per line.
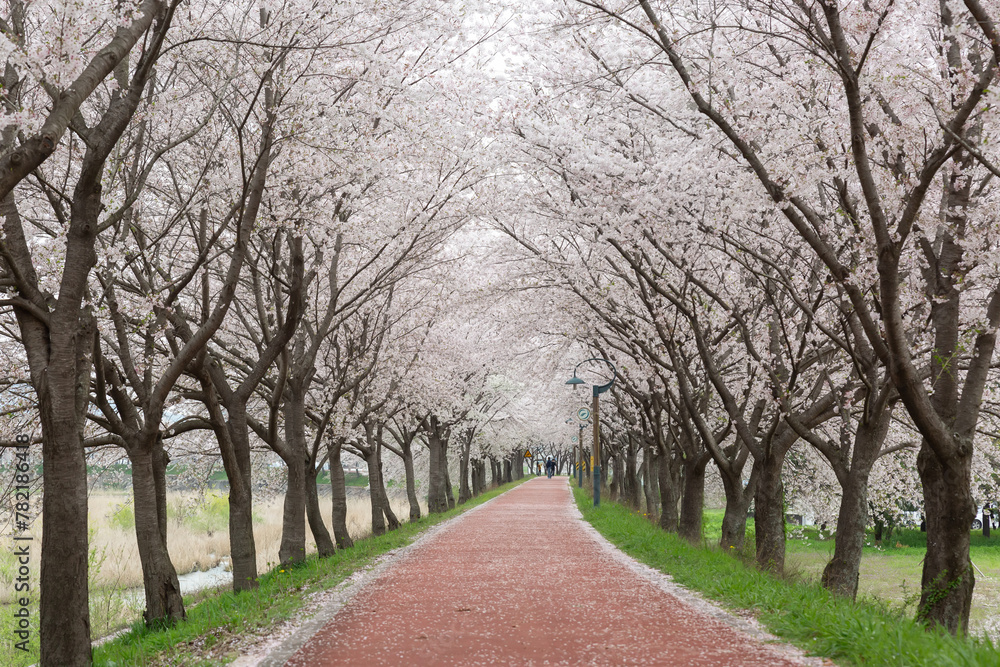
(243,548)
(293,524)
(437,495)
(324,543)
(234,443)
(293,520)
(947,580)
(374,481)
(631,480)
(163,592)
(476,488)
(160,461)
(338,498)
(610,477)
(507,472)
(668,496)
(65,610)
(840,576)
(769,516)
(621,480)
(59,351)
(693,500)
(645,471)
(449,490)
(616,486)
(382,513)
(411,487)
(653,503)
(464,492)
(734,520)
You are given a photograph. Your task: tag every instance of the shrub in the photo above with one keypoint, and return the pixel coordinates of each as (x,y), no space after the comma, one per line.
(122,517)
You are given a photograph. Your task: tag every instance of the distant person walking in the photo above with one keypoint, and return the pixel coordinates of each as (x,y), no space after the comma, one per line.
(550,467)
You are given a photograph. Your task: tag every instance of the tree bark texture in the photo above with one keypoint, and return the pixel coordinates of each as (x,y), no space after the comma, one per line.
(324,543)
(464,491)
(734,519)
(449,489)
(65,609)
(653,495)
(382,514)
(693,499)
(338,498)
(631,481)
(840,576)
(668,496)
(437,494)
(162,588)
(769,513)
(233,438)
(947,580)
(293,520)
(411,487)
(478,476)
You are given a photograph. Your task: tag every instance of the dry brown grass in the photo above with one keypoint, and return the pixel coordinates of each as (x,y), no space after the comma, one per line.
(197,539)
(114,560)
(194,544)
(193,547)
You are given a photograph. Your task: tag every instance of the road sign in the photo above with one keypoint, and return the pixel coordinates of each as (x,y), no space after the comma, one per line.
(583,414)
(527,453)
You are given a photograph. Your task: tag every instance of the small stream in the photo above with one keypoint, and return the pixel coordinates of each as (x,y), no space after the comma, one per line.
(135,598)
(213,578)
(190,582)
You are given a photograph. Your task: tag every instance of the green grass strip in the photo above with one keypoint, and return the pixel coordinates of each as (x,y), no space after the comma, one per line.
(222,618)
(804,614)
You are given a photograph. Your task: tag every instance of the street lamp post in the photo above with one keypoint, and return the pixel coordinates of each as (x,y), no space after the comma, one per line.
(596,416)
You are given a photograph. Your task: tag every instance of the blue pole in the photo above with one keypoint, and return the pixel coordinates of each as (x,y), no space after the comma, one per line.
(597,486)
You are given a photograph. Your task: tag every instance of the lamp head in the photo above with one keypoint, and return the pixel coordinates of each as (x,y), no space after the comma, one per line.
(574,381)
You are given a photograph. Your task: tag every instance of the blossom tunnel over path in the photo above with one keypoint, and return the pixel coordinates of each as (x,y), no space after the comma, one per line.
(258,256)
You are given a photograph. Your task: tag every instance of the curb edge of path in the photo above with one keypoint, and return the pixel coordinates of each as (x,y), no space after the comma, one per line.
(748,627)
(338,596)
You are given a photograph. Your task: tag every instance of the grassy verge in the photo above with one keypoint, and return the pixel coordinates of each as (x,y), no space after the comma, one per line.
(215,626)
(852,633)
(891,570)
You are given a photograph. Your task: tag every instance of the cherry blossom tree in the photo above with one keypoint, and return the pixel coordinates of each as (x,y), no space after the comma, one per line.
(876,122)
(50,86)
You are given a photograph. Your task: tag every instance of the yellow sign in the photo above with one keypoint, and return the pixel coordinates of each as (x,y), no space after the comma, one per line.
(527,453)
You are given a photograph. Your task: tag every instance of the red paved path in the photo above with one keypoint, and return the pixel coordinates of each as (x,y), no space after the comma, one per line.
(522,582)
